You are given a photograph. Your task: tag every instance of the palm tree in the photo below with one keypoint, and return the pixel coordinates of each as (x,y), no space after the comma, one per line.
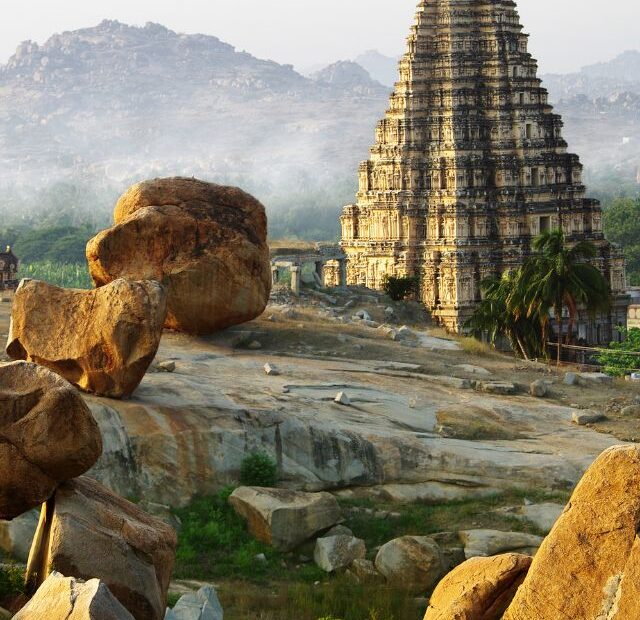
(558,276)
(500,313)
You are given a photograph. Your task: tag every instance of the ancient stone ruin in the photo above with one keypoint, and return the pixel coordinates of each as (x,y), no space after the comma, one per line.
(469,165)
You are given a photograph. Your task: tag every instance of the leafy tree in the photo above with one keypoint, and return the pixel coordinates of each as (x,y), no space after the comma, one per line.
(617,361)
(401,288)
(622,226)
(558,276)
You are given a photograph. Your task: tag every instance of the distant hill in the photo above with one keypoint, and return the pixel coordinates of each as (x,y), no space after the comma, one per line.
(381,68)
(350,77)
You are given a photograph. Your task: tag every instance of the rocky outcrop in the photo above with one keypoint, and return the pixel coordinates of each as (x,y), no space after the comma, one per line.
(67,598)
(333,553)
(87,530)
(283,518)
(413,563)
(479,589)
(589,565)
(47,436)
(101,341)
(206,242)
(201,605)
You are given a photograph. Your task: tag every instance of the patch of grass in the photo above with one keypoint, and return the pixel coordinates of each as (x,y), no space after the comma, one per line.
(426,519)
(11,581)
(336,598)
(472,346)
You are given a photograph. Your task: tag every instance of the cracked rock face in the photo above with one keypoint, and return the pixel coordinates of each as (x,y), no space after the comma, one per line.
(206,242)
(47,436)
(589,565)
(101,341)
(66,598)
(88,531)
(479,589)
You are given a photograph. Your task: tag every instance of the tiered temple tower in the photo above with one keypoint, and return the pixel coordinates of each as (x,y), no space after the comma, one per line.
(468,167)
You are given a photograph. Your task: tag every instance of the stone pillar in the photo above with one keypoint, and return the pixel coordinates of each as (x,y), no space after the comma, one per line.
(295,279)
(343,273)
(274,275)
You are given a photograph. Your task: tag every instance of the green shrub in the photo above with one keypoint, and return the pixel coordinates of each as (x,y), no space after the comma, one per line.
(401,288)
(11,581)
(258,469)
(619,359)
(58,274)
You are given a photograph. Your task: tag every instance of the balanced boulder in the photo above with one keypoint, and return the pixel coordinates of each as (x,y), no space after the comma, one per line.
(66,598)
(85,530)
(284,518)
(206,242)
(413,563)
(47,436)
(589,565)
(479,589)
(102,340)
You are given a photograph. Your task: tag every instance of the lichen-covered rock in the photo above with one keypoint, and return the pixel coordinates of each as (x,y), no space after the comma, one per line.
(87,530)
(284,518)
(206,242)
(479,589)
(102,340)
(589,565)
(47,436)
(413,563)
(67,598)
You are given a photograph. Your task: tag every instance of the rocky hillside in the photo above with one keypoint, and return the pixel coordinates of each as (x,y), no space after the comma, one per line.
(124,101)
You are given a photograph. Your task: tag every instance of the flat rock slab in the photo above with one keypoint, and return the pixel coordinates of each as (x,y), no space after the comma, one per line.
(582,417)
(283,518)
(484,543)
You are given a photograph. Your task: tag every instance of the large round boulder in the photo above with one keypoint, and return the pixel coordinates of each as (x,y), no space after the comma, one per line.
(206,242)
(47,436)
(413,563)
(479,589)
(102,340)
(589,565)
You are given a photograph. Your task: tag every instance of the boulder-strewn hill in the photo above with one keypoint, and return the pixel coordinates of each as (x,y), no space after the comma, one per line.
(126,101)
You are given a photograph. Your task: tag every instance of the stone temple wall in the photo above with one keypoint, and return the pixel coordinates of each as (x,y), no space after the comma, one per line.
(469,165)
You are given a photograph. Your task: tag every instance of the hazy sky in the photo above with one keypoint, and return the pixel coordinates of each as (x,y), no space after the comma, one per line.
(566,34)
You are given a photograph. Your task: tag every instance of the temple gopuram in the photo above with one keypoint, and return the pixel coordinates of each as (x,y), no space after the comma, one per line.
(469,166)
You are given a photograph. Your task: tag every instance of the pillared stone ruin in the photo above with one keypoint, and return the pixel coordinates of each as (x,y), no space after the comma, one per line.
(469,166)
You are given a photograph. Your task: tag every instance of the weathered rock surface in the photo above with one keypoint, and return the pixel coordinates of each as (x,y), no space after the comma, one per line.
(201,605)
(67,598)
(333,553)
(90,531)
(589,565)
(284,518)
(543,516)
(102,341)
(479,589)
(475,423)
(413,563)
(47,435)
(16,535)
(206,242)
(364,571)
(539,388)
(483,543)
(582,417)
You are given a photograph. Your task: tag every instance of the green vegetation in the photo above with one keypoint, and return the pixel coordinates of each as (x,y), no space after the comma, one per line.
(555,277)
(623,357)
(11,581)
(258,470)
(68,276)
(401,288)
(622,226)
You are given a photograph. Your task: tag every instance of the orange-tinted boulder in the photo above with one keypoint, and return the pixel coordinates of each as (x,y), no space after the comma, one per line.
(589,565)
(101,340)
(47,436)
(206,242)
(479,589)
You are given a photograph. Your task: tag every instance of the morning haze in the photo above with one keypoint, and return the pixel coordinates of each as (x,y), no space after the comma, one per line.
(565,35)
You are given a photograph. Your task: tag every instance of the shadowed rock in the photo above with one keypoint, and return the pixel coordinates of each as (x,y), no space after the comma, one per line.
(102,340)
(47,436)
(86,530)
(206,242)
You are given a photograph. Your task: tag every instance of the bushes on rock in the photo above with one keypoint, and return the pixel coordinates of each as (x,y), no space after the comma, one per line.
(401,288)
(258,469)
(622,357)
(11,582)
